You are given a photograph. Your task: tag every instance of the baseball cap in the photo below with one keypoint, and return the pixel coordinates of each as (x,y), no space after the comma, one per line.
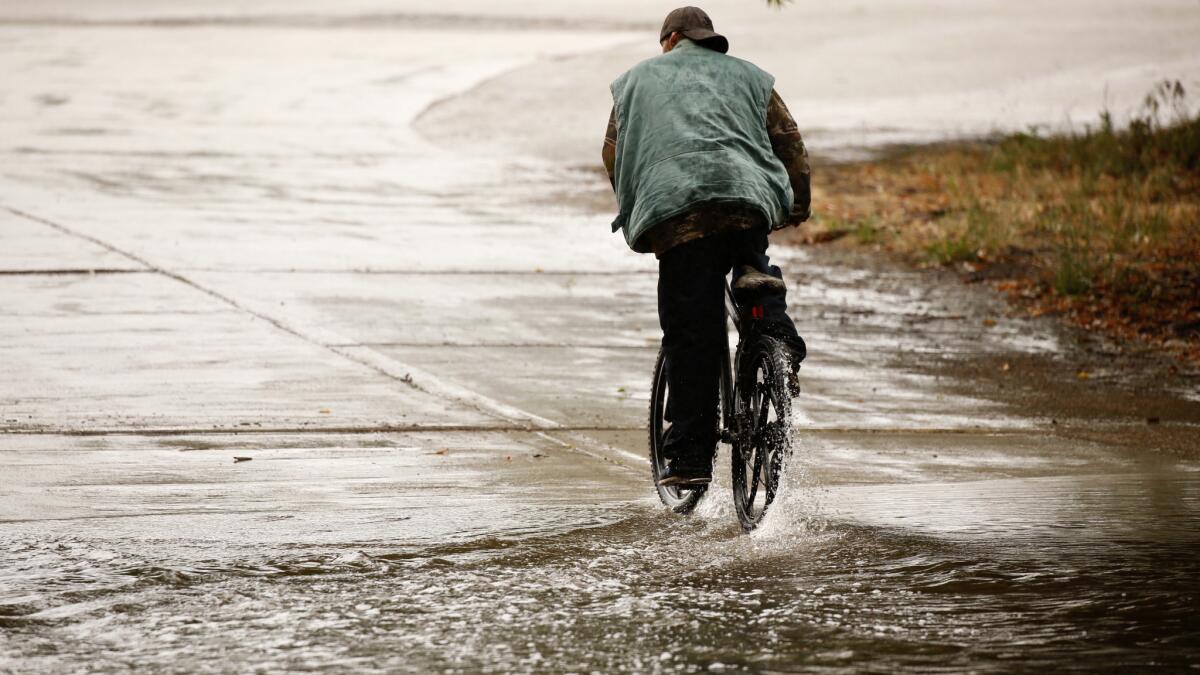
(695,25)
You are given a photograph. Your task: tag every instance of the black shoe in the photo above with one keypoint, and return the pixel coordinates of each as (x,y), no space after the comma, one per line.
(685,477)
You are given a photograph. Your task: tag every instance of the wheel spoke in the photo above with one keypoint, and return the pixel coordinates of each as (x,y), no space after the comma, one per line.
(764,410)
(757,472)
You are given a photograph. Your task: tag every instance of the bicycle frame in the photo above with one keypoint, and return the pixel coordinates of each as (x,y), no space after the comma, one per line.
(742,324)
(732,309)
(738,314)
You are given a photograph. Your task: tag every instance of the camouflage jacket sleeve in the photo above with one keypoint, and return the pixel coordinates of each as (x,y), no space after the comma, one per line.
(609,153)
(789,148)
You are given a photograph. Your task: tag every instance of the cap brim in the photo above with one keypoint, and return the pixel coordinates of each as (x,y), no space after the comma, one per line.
(714,41)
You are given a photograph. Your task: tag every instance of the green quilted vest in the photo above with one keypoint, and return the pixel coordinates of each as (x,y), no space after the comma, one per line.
(691,128)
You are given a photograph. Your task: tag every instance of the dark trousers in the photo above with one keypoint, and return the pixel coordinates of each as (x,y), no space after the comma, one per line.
(691,311)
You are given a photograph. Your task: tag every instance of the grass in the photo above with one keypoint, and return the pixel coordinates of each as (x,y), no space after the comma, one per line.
(1101,226)
(970,234)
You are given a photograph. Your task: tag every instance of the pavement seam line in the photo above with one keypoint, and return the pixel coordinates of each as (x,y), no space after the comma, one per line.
(606,447)
(260,431)
(537,272)
(531,429)
(413,377)
(72,272)
(469,428)
(491,345)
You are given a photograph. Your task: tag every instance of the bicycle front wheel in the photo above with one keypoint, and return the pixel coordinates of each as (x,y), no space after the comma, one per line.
(763,431)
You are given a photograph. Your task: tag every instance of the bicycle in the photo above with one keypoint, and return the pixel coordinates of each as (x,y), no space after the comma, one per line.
(754,418)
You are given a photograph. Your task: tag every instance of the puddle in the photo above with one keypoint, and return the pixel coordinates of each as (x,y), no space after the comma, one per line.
(1097,571)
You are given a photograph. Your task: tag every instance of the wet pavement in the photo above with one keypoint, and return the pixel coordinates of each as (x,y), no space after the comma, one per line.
(287,383)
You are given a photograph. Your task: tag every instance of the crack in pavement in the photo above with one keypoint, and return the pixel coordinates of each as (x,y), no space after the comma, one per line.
(413,377)
(383,365)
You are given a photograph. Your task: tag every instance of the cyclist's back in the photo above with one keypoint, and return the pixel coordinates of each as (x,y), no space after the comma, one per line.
(690,125)
(705,160)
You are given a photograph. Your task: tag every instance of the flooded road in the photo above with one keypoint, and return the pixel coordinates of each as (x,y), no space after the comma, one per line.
(1088,573)
(317,353)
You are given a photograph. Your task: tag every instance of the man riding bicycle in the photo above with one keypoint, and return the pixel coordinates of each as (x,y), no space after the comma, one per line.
(705,160)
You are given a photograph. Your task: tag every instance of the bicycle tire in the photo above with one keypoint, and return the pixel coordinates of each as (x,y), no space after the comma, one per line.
(761,444)
(679,501)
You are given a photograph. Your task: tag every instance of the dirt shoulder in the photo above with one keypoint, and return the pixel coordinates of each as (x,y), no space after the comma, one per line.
(1101,229)
(962,338)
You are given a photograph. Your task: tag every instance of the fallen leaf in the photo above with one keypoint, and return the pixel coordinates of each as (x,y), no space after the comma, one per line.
(989,322)
(241,459)
(441,451)
(324,411)
(1083,375)
(1005,367)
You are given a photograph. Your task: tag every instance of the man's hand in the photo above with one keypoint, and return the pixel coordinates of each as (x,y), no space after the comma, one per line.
(796,217)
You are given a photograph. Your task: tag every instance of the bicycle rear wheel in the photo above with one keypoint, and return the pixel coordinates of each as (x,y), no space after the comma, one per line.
(679,501)
(762,437)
